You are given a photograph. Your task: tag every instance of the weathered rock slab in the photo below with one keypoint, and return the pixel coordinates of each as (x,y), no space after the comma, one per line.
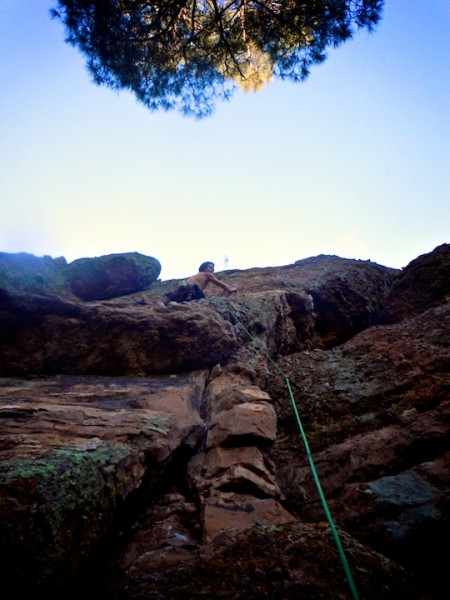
(73,450)
(48,335)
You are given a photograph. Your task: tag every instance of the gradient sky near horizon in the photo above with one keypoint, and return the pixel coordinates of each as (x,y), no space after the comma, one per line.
(354,162)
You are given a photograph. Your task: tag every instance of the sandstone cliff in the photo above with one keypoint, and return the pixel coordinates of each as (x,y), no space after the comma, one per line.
(152,451)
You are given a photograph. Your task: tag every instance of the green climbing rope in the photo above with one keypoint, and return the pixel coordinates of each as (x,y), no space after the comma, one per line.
(326,510)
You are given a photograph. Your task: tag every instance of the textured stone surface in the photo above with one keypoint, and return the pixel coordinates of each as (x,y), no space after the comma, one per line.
(73,451)
(163,457)
(296,560)
(245,423)
(224,511)
(423,284)
(47,335)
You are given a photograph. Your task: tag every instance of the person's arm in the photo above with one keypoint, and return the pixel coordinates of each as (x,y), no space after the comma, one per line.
(213,279)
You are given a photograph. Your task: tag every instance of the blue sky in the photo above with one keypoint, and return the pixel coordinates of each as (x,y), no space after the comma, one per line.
(354,162)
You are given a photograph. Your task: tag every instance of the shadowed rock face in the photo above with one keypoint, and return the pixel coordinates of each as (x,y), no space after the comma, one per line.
(46,335)
(423,283)
(154,452)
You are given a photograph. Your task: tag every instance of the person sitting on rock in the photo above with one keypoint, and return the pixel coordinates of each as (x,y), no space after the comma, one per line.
(194,286)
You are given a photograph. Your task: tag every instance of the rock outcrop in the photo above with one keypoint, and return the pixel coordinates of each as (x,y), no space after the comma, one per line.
(152,451)
(99,278)
(46,335)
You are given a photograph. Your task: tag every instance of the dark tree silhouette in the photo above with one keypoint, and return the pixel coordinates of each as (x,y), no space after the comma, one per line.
(186,54)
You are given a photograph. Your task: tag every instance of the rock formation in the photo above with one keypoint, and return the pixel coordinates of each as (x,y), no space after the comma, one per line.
(99,278)
(152,451)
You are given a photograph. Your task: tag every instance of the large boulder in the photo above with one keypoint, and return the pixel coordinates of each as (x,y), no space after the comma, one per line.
(98,278)
(110,276)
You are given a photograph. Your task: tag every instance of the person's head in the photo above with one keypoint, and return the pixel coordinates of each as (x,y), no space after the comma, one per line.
(206,266)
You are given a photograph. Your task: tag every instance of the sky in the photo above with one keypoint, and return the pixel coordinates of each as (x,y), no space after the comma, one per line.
(353,162)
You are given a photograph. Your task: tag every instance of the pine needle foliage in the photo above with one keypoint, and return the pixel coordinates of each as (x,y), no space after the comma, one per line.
(187,54)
